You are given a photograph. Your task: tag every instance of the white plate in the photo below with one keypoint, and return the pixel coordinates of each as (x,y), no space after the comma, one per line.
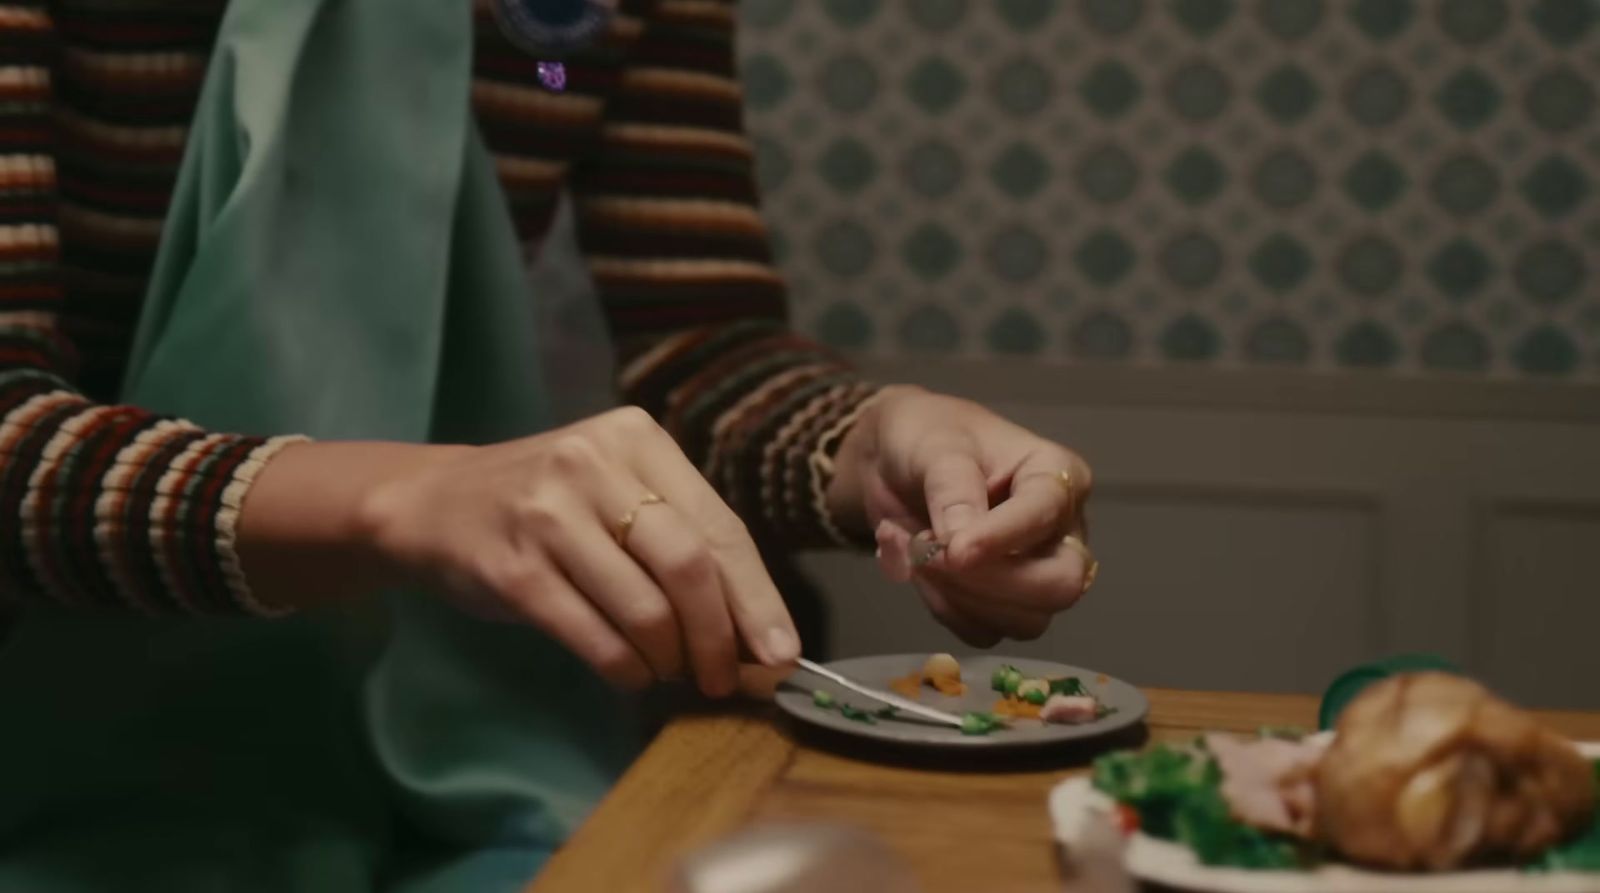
(1077,809)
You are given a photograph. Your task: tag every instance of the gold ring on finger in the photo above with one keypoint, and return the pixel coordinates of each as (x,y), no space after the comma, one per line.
(1091,566)
(625,523)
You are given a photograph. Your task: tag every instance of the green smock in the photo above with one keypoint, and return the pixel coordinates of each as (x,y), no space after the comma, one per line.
(339,261)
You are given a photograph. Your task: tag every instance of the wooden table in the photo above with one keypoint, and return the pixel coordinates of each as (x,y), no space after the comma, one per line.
(707,776)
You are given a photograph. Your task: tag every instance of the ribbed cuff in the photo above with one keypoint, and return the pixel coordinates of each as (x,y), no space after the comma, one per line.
(226,525)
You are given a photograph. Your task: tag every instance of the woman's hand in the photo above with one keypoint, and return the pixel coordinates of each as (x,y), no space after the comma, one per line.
(532,531)
(1006,505)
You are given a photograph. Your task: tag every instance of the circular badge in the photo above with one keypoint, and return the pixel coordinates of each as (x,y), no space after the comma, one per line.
(553,29)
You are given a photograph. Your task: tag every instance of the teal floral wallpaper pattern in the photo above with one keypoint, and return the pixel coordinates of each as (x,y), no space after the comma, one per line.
(1408,185)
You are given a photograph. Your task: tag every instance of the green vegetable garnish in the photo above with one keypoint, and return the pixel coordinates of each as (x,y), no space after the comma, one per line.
(1067,685)
(997,679)
(822,699)
(887,713)
(1206,825)
(1012,680)
(980,723)
(856,714)
(1178,795)
(1036,696)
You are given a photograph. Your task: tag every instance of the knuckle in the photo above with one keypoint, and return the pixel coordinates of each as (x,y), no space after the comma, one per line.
(688,565)
(516,582)
(652,618)
(540,516)
(726,530)
(572,454)
(940,452)
(631,421)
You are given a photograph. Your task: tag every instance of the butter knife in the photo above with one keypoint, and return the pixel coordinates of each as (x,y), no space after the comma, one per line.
(905,705)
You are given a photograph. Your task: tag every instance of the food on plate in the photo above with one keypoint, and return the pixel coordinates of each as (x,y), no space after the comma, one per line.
(1070,709)
(980,723)
(1064,700)
(941,672)
(1006,679)
(1015,709)
(827,701)
(971,723)
(1174,792)
(1034,691)
(1432,771)
(1268,782)
(867,716)
(941,666)
(1425,772)
(1031,698)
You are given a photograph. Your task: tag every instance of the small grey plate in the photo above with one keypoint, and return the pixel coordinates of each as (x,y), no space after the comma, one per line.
(1128,704)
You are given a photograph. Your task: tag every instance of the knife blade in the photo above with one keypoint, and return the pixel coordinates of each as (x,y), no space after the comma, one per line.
(904,704)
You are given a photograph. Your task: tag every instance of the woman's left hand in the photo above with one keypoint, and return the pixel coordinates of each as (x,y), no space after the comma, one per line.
(1005,505)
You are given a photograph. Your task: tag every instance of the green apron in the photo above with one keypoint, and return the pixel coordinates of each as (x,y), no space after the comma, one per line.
(338,261)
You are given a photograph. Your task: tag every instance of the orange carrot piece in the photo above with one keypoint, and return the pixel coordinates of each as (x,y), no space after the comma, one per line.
(907,686)
(948,685)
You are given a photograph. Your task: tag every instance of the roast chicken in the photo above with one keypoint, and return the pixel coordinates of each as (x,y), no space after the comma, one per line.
(1430,771)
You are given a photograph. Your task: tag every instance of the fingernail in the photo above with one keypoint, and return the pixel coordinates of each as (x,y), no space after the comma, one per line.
(781,646)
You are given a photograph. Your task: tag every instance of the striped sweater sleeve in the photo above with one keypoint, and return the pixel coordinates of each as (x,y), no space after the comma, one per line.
(100,506)
(670,224)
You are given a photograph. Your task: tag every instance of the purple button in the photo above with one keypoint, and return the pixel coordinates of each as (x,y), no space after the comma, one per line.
(553,75)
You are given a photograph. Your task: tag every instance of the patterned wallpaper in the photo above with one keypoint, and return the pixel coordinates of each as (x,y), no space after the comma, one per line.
(1398,184)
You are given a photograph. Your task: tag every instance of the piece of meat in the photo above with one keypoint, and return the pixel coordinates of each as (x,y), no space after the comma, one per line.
(1432,771)
(1070,709)
(1268,782)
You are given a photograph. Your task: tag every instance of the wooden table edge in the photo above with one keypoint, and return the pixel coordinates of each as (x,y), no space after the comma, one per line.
(724,762)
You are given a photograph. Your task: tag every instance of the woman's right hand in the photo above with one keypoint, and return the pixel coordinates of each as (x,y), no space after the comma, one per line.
(528,531)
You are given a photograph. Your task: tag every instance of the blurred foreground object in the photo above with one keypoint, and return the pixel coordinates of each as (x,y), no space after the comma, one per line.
(794,859)
(1432,771)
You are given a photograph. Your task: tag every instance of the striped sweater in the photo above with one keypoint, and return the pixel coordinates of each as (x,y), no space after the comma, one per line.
(110,506)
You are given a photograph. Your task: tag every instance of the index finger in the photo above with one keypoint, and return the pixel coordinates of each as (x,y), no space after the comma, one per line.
(758,609)
(1044,504)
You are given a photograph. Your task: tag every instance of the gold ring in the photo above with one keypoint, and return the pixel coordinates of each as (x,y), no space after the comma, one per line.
(625,523)
(1091,567)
